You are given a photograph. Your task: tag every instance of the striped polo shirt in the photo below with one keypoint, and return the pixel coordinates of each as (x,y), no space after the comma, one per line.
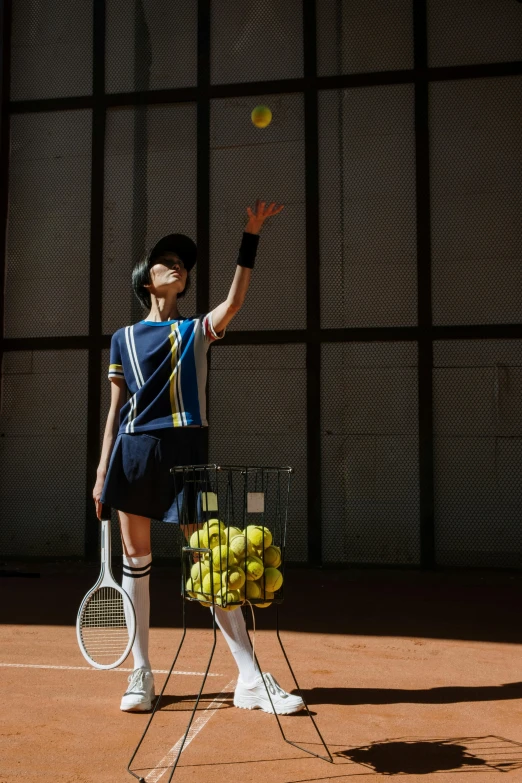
(164,364)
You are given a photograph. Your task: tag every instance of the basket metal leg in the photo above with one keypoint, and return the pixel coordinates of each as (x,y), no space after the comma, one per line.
(328,756)
(158,700)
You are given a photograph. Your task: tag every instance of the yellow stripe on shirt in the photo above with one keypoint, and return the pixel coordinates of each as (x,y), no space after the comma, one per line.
(175,340)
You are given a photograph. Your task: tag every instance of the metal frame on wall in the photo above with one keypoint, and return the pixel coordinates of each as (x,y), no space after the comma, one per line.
(313,336)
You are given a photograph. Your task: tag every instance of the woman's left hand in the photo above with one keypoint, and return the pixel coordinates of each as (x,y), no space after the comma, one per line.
(258,217)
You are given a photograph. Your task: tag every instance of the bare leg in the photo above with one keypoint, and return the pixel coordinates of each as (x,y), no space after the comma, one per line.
(137,559)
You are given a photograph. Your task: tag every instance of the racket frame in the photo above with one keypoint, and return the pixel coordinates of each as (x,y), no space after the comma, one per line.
(106,579)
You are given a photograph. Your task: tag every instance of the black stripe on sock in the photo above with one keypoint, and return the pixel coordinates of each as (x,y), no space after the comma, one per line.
(136,576)
(137,568)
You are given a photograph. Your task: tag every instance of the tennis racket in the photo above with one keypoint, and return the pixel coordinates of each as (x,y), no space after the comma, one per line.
(106,622)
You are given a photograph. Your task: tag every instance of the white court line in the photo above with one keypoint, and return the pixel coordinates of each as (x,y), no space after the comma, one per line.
(196,727)
(92,669)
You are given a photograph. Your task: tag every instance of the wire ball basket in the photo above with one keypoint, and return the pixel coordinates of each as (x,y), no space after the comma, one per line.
(236,517)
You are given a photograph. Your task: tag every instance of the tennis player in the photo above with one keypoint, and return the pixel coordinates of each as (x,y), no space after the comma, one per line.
(162,362)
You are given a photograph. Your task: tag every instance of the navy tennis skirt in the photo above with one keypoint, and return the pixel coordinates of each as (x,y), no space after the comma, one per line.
(139,480)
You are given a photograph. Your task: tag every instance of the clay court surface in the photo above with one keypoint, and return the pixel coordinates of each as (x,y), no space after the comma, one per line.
(416,675)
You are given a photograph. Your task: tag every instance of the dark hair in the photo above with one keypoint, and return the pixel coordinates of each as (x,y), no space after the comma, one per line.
(141,275)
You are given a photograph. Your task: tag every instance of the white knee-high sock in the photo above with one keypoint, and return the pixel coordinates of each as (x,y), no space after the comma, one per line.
(233,628)
(135,582)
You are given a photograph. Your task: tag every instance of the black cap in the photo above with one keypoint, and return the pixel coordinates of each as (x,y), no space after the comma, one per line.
(177,243)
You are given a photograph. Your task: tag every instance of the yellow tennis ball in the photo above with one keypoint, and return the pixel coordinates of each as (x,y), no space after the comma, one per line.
(259,536)
(272,579)
(192,587)
(211,586)
(228,597)
(231,532)
(254,568)
(223,556)
(216,536)
(261,116)
(268,600)
(215,521)
(199,539)
(234,578)
(199,570)
(250,590)
(241,547)
(271,557)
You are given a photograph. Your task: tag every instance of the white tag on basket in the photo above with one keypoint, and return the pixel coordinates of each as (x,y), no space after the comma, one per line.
(209,501)
(255,502)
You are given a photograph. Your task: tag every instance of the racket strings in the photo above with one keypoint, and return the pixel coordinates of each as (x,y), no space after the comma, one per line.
(103,626)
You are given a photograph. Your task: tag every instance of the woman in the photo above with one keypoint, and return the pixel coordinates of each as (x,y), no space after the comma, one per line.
(162,361)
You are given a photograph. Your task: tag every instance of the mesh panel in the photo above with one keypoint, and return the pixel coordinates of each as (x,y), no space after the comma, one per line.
(473,32)
(51,55)
(249,163)
(48,230)
(476,196)
(367,207)
(43,426)
(256,41)
(165,538)
(258,417)
(150,191)
(355,36)
(477,392)
(150,45)
(370,483)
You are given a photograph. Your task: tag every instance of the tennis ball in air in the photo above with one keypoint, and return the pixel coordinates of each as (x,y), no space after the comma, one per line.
(271,557)
(272,579)
(234,578)
(199,539)
(261,116)
(223,556)
(241,547)
(254,568)
(259,536)
(206,585)
(199,570)
(228,596)
(250,590)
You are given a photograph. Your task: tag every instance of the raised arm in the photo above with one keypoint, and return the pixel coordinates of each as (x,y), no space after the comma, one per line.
(224,312)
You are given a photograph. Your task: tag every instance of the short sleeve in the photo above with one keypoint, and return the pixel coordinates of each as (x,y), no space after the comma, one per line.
(208,328)
(115,365)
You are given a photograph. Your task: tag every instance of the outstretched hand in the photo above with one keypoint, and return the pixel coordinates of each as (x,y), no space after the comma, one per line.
(257,217)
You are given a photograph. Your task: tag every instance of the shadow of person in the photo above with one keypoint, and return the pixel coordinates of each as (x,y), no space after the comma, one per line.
(417,757)
(450,694)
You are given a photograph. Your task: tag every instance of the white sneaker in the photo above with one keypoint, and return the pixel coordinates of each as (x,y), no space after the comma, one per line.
(140,693)
(255,696)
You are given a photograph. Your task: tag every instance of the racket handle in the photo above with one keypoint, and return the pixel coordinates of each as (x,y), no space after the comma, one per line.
(106,511)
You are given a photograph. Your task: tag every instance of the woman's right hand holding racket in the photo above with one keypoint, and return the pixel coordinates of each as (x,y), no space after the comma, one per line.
(96,494)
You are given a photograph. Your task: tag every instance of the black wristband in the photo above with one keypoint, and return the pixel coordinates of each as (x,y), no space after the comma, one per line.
(248,250)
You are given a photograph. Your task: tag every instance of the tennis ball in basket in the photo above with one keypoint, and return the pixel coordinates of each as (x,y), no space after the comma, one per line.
(216,536)
(192,587)
(199,539)
(259,536)
(272,579)
(212,522)
(268,600)
(207,583)
(223,556)
(250,590)
(241,547)
(231,596)
(234,578)
(199,570)
(254,568)
(231,532)
(272,557)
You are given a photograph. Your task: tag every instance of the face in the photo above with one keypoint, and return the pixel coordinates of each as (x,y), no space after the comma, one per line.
(168,270)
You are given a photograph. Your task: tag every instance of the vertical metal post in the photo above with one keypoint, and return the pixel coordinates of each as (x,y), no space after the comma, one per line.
(313,295)
(96,272)
(5,84)
(425,343)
